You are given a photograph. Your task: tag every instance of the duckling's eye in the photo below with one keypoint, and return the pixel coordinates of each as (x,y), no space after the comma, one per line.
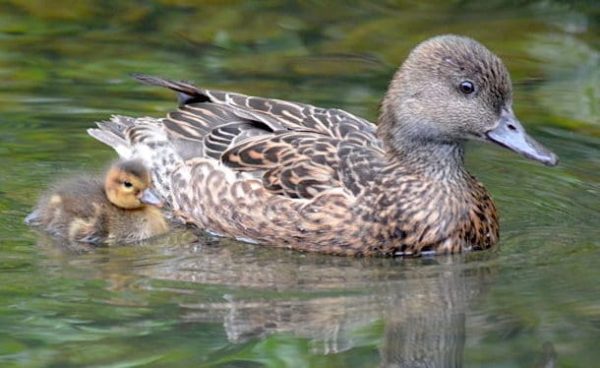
(127,184)
(466,87)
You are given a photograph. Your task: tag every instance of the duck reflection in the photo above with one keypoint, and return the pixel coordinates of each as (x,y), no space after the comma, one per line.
(415,308)
(421,303)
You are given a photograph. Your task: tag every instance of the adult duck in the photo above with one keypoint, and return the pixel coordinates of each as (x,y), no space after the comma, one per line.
(298,176)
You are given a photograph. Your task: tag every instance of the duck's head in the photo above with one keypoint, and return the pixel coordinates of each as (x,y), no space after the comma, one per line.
(450,89)
(128,185)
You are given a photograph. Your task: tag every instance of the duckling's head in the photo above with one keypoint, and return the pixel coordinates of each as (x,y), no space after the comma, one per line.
(450,89)
(128,185)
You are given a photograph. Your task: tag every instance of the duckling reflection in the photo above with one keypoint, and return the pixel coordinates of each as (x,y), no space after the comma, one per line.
(120,208)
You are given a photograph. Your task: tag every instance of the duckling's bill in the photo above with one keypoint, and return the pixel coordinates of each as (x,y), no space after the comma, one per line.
(510,133)
(149,197)
(33,218)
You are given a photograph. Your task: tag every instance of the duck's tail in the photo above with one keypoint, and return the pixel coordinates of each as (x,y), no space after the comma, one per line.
(112,133)
(186,92)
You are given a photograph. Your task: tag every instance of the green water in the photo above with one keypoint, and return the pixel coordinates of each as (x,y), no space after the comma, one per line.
(180,301)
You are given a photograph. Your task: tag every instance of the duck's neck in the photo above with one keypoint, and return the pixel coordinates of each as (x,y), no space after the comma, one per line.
(435,159)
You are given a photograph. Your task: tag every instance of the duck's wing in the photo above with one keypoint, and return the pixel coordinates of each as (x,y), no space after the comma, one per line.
(206,109)
(304,164)
(298,150)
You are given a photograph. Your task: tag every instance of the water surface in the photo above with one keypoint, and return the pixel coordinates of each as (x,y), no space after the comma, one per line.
(191,300)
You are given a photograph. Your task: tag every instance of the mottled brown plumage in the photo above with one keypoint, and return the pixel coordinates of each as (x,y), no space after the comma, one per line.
(313,179)
(118,208)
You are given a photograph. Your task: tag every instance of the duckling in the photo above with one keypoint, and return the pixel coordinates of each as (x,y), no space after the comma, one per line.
(122,208)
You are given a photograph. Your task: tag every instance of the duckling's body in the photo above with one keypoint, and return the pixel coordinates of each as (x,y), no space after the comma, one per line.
(313,179)
(102,210)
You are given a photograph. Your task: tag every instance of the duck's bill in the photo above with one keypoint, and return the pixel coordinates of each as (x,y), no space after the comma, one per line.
(510,134)
(149,197)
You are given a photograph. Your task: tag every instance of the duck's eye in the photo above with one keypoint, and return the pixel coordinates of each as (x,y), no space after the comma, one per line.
(127,184)
(466,87)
